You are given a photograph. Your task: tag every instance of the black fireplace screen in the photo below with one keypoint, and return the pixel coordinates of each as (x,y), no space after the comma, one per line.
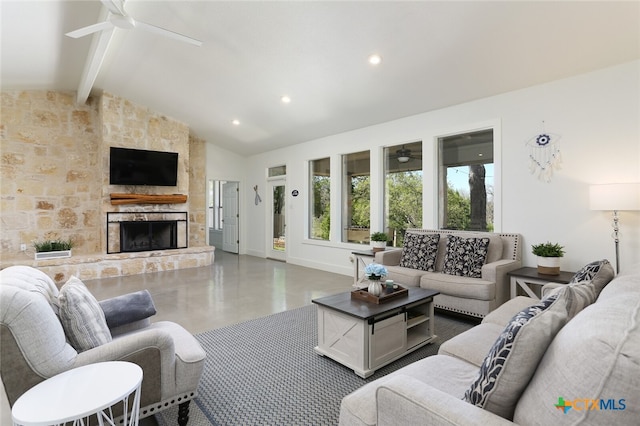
(148,235)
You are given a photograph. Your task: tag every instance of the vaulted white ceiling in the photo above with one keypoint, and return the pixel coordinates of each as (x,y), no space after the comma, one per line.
(435,54)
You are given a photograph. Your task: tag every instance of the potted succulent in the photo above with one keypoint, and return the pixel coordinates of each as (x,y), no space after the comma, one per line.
(53,249)
(549,255)
(379,241)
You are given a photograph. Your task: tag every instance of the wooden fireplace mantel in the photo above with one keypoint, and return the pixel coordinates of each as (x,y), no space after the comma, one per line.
(118,199)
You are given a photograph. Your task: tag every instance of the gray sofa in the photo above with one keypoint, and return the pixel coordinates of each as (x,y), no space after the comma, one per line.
(474,296)
(38,342)
(577,366)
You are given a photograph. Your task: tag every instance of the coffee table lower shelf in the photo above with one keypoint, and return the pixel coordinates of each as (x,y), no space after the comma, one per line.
(367,343)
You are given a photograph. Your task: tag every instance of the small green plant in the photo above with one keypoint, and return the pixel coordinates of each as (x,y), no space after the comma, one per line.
(53,245)
(379,236)
(547,250)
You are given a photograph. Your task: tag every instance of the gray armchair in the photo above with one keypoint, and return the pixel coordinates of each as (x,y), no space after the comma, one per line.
(34,346)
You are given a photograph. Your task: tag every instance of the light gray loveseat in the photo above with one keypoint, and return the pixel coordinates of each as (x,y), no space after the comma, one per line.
(463,294)
(34,345)
(564,370)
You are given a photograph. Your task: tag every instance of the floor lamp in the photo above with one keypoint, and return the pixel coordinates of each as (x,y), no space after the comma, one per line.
(615,197)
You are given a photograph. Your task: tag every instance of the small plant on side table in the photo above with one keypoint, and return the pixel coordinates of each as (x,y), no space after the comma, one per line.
(549,255)
(379,241)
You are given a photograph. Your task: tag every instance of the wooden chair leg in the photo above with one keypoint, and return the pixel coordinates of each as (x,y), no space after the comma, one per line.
(183,413)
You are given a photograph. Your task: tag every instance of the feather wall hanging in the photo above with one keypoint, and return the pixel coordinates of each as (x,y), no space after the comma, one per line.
(544,154)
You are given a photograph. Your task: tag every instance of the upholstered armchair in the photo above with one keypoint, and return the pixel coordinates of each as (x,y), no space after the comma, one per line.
(45,331)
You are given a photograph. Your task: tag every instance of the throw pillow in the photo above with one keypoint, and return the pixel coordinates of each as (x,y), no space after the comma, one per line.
(514,357)
(81,316)
(419,251)
(465,256)
(599,273)
(128,308)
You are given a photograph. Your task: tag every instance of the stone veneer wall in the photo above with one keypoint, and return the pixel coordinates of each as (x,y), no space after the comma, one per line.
(55,181)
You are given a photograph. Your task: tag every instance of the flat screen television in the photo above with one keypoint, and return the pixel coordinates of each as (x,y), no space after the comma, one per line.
(141,167)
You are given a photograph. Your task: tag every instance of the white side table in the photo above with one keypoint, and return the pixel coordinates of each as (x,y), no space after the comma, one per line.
(75,395)
(527,277)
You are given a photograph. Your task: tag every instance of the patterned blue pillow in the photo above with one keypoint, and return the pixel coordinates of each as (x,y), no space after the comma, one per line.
(514,357)
(465,256)
(599,273)
(419,251)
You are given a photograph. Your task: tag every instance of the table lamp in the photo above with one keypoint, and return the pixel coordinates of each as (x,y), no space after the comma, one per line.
(615,197)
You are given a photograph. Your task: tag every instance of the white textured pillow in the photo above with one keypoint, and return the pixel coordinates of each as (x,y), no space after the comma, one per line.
(82,317)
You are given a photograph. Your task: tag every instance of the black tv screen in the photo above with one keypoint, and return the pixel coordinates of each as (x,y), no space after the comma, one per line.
(140,167)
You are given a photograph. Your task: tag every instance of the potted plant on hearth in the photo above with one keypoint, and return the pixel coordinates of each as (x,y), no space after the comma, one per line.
(379,241)
(53,249)
(549,255)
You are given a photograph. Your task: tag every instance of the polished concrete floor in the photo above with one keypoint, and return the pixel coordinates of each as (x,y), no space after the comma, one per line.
(233,289)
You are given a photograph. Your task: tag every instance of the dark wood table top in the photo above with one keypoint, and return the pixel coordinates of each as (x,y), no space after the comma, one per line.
(362,309)
(528,272)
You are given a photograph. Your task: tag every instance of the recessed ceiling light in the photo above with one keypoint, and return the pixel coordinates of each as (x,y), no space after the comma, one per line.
(375,59)
(236,122)
(285,99)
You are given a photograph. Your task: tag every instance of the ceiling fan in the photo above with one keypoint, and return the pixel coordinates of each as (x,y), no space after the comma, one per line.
(118,18)
(403,155)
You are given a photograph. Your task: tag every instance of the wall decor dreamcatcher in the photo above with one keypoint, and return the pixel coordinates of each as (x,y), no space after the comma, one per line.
(544,154)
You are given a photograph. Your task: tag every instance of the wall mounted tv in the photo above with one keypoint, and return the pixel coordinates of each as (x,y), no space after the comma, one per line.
(140,167)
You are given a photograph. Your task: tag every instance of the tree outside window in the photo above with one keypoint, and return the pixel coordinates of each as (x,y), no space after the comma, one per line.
(403,189)
(356,202)
(466,181)
(320,220)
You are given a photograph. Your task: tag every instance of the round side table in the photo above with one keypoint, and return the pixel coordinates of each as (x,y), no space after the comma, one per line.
(75,395)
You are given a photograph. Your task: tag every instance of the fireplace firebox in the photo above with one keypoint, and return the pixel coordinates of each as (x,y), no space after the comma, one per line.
(150,235)
(146,231)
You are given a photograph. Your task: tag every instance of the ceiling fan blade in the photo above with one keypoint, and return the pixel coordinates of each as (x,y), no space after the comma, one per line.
(167,33)
(81,32)
(114,6)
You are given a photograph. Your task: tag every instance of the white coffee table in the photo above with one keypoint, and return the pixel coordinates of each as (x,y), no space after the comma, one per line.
(75,395)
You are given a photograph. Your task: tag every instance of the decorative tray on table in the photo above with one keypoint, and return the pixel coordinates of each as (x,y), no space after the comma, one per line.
(385,296)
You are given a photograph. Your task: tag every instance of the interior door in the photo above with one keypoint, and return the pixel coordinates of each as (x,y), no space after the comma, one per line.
(230,231)
(276,241)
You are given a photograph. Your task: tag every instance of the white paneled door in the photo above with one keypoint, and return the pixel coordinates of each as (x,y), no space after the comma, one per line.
(230,231)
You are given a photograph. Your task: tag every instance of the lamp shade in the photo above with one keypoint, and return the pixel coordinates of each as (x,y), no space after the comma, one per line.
(615,196)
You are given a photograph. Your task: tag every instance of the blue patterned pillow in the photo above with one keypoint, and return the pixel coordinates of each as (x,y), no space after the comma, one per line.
(599,273)
(514,357)
(465,256)
(419,251)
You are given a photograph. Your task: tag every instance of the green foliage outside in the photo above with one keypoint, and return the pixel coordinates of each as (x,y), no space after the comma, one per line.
(321,220)
(404,195)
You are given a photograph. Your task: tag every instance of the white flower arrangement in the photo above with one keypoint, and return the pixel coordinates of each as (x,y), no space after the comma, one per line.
(375,271)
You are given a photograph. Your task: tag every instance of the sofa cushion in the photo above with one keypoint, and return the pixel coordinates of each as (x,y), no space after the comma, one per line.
(494,251)
(473,345)
(419,251)
(513,358)
(595,356)
(444,373)
(82,318)
(465,256)
(405,276)
(465,287)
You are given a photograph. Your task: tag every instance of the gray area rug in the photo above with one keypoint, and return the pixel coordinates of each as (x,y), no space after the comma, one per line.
(265,372)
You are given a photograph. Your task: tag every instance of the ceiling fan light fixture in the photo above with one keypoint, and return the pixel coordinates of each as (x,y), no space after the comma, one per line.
(403,159)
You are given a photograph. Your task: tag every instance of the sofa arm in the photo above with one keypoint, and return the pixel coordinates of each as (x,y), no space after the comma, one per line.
(408,401)
(389,257)
(497,272)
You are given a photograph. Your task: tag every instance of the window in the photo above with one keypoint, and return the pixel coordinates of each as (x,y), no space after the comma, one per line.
(355,197)
(320,181)
(277,171)
(403,189)
(466,181)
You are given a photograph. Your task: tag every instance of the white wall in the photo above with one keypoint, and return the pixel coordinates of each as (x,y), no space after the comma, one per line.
(597,116)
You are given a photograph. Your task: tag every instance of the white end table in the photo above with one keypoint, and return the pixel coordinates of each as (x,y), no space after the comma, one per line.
(77,394)
(361,259)
(526,277)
